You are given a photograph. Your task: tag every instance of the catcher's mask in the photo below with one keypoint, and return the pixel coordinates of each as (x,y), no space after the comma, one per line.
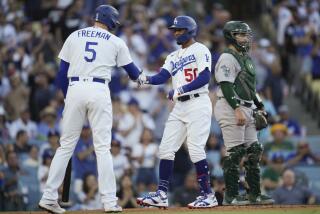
(238,34)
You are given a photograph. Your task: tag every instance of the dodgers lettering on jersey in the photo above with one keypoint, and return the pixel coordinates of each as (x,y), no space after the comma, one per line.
(185,65)
(94,52)
(181,63)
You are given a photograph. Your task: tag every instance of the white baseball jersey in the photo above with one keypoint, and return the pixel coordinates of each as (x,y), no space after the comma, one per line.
(226,70)
(89,48)
(91,52)
(189,120)
(186,64)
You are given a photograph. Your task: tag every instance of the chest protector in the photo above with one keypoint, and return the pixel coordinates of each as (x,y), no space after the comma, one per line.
(245,82)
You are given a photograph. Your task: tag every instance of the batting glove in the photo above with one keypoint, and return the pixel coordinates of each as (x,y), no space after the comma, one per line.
(175,93)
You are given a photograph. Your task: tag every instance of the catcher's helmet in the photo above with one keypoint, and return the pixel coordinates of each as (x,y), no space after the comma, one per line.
(234,27)
(108,16)
(185,22)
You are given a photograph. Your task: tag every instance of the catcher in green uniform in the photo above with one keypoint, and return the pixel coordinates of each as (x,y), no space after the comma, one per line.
(240,113)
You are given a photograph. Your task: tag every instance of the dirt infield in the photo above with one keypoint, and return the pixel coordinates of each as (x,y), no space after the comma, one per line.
(288,209)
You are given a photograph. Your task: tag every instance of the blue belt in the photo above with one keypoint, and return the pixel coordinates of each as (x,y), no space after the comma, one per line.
(94,79)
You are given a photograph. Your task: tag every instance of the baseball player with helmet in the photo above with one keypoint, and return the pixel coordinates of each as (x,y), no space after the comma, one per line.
(234,110)
(190,70)
(87,59)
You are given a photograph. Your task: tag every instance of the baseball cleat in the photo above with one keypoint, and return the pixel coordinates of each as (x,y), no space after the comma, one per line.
(114,209)
(235,201)
(154,199)
(51,206)
(261,200)
(204,201)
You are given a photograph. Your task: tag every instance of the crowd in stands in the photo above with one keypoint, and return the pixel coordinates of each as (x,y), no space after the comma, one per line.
(31,35)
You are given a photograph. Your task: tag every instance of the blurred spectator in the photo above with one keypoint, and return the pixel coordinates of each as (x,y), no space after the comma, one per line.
(21,146)
(314,17)
(2,159)
(284,18)
(48,122)
(160,112)
(4,130)
(145,154)
(132,124)
(4,82)
(274,83)
(72,19)
(271,175)
(303,156)
(160,40)
(120,161)
(280,143)
(315,54)
(84,158)
(22,61)
(290,193)
(213,149)
(12,192)
(32,160)
(24,123)
(7,31)
(136,44)
(185,194)
(127,195)
(2,198)
(118,111)
(292,125)
(267,62)
(52,144)
(44,45)
(43,170)
(89,196)
(41,93)
(17,99)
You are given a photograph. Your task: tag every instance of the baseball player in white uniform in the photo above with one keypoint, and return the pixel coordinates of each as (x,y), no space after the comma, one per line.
(87,59)
(190,119)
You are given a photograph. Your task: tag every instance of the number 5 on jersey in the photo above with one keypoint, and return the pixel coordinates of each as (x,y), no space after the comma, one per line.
(189,74)
(91,56)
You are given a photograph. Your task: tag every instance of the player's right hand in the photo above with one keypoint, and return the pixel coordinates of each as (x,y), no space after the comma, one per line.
(142,79)
(240,117)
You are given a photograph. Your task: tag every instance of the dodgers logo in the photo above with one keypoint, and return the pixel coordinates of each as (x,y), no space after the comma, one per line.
(207,58)
(178,65)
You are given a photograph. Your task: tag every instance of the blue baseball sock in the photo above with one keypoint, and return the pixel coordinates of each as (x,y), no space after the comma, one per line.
(203,177)
(165,172)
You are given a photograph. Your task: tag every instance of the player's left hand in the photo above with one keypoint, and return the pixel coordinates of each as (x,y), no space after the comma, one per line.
(175,93)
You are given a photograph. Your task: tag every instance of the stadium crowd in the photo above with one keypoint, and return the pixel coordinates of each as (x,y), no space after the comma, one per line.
(31,35)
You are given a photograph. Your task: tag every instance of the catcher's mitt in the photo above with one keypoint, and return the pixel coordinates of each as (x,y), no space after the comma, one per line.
(260,118)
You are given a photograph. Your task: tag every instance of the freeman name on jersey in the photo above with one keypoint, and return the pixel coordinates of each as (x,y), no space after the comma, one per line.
(181,63)
(92,33)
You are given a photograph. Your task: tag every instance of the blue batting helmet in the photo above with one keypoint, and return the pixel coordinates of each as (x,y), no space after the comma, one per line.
(108,16)
(185,22)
